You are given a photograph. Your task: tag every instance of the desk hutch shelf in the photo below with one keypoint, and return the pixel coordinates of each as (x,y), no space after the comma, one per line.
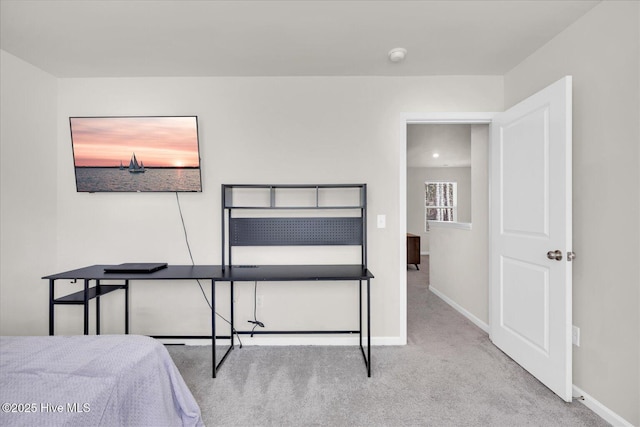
(293,226)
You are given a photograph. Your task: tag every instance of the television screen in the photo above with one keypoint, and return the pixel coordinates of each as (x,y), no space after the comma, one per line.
(136,154)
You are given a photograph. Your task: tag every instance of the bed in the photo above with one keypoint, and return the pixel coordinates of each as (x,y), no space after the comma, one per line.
(107,380)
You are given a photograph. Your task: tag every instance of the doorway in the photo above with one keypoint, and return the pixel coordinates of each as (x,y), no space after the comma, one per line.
(447,206)
(444,230)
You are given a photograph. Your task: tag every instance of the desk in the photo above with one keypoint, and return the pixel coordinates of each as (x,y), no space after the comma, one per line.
(214,274)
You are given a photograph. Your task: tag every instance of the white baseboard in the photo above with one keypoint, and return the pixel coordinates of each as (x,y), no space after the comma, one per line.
(605,413)
(479,323)
(288,340)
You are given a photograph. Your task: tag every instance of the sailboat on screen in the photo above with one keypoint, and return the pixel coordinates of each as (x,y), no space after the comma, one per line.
(134,167)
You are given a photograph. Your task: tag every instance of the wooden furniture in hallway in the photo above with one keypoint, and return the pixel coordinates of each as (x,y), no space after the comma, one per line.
(413,250)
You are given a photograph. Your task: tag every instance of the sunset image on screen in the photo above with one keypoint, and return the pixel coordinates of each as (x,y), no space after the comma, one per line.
(159,142)
(136,154)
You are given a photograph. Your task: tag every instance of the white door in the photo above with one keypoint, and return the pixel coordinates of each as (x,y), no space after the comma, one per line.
(530,289)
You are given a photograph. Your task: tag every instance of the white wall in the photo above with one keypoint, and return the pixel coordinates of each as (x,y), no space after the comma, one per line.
(601,52)
(28,203)
(416,177)
(252,130)
(458,261)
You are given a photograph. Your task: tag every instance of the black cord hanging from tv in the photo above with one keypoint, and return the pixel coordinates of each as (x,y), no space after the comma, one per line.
(186,239)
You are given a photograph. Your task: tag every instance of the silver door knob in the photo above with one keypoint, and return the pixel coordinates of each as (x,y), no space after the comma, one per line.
(557,255)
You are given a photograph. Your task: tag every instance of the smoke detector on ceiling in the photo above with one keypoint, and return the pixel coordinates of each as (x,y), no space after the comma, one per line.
(397,54)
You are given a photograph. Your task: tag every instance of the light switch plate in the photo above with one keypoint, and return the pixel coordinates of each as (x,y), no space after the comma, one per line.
(382,221)
(575,336)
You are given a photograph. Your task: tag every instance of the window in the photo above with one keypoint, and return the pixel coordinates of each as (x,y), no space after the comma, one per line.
(441,202)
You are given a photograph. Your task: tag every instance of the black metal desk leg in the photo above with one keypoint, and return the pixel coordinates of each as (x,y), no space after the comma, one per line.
(213,330)
(231,322)
(126,306)
(98,307)
(366,356)
(51,305)
(360,310)
(86,306)
(368,327)
(213,327)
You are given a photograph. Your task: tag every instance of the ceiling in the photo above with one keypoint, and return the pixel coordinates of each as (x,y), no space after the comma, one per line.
(451,142)
(111,38)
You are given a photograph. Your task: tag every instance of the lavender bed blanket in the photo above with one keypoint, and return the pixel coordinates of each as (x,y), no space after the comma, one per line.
(107,380)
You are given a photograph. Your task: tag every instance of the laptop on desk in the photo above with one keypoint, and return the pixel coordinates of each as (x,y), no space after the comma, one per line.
(136,267)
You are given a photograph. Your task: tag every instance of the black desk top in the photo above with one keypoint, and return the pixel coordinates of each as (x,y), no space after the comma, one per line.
(229,273)
(96,272)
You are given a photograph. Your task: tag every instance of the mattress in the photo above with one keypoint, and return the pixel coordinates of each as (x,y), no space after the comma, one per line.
(106,380)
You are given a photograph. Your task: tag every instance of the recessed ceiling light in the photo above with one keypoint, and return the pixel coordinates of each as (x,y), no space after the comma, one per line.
(397,54)
(436,155)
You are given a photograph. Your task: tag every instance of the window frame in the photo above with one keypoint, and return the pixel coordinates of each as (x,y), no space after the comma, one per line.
(454,208)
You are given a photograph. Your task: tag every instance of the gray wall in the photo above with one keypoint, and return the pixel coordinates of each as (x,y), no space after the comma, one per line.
(252,130)
(601,51)
(28,199)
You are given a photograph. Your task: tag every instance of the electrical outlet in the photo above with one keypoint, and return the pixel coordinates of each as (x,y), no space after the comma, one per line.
(575,336)
(259,301)
(382,221)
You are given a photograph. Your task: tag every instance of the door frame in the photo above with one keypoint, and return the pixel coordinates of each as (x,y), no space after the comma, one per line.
(429,118)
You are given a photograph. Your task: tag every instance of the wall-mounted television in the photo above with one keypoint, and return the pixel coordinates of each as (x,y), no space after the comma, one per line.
(136,154)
